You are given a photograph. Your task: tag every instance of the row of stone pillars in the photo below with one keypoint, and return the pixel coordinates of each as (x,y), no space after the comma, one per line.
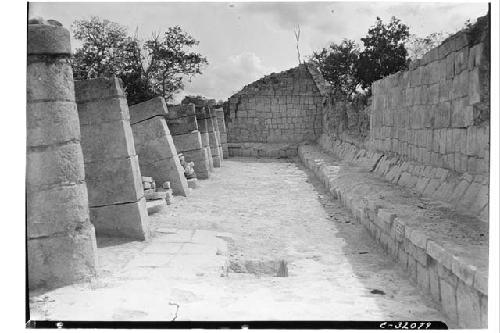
(86,152)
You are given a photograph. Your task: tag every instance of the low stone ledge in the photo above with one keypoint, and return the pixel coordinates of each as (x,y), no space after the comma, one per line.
(263,150)
(444,251)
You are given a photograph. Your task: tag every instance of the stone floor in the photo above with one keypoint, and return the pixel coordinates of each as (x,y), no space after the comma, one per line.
(216,254)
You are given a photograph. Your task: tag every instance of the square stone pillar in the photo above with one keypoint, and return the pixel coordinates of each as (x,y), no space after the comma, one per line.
(223,131)
(215,121)
(116,197)
(61,244)
(208,134)
(157,153)
(201,119)
(181,119)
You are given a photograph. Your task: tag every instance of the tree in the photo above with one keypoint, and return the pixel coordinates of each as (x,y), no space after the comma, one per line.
(170,62)
(105,48)
(338,66)
(147,69)
(384,51)
(418,46)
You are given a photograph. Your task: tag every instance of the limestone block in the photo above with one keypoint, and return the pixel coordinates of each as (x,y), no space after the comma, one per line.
(49,123)
(149,109)
(113,181)
(182,125)
(434,282)
(450,65)
(205,141)
(484,311)
(212,139)
(186,142)
(103,110)
(169,169)
(201,163)
(45,39)
(448,299)
(208,153)
(62,165)
(127,220)
(460,85)
(96,89)
(423,277)
(461,60)
(107,140)
(468,307)
(474,86)
(51,81)
(59,209)
(61,259)
(462,113)
(202,125)
(181,110)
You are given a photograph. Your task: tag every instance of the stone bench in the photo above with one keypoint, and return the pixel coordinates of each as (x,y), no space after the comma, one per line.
(445,252)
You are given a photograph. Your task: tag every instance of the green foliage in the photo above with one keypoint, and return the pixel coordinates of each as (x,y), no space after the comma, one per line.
(337,64)
(170,62)
(384,51)
(155,67)
(418,46)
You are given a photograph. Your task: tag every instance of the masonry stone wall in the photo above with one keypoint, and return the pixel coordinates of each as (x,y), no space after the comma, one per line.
(279,108)
(61,244)
(154,145)
(116,197)
(437,112)
(181,119)
(431,123)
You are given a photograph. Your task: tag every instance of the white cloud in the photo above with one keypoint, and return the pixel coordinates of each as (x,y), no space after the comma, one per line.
(227,77)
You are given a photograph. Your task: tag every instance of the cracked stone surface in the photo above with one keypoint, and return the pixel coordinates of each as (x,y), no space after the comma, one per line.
(250,215)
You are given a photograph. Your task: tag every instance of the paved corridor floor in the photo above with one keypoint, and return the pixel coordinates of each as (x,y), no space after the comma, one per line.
(216,255)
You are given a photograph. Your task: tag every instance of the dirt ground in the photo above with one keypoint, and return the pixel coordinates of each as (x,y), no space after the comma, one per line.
(260,240)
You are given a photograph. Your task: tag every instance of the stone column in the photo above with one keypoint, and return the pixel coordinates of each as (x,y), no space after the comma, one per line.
(116,197)
(223,132)
(201,119)
(154,145)
(181,119)
(61,239)
(213,138)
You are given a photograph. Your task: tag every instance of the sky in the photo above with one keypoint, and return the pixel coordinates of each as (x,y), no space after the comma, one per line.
(244,41)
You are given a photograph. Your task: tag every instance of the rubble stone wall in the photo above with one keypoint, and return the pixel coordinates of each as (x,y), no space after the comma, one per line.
(279,108)
(61,244)
(154,145)
(116,197)
(181,119)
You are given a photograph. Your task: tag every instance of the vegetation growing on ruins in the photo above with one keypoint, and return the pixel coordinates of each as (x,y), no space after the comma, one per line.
(348,67)
(154,67)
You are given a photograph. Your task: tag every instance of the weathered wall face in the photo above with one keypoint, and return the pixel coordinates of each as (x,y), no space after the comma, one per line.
(431,123)
(154,145)
(181,120)
(61,239)
(116,197)
(279,108)
(437,112)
